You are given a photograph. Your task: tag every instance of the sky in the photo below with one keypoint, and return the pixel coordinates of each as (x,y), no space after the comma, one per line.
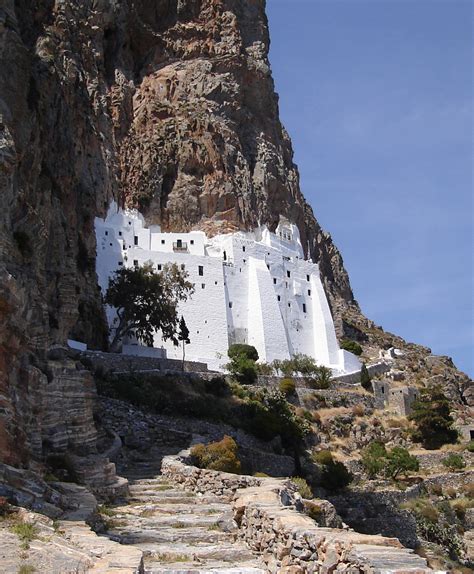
(377,97)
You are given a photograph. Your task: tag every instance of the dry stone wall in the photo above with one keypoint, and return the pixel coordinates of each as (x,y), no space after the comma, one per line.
(268,514)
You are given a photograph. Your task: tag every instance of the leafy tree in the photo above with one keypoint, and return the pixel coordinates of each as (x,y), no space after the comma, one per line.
(365,379)
(454,461)
(374,458)
(147,301)
(243,364)
(400,460)
(431,415)
(183,336)
(242,350)
(352,347)
(321,379)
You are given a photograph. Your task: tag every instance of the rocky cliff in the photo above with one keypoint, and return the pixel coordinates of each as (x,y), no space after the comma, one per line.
(166,105)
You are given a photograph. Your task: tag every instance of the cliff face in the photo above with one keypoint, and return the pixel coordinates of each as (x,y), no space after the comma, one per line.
(166,105)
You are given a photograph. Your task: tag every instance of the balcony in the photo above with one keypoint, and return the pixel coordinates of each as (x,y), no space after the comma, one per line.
(180,246)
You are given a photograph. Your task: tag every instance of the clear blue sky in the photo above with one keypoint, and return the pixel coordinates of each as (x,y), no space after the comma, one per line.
(377,97)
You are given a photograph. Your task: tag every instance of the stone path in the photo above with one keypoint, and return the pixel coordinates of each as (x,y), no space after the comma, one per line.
(178,531)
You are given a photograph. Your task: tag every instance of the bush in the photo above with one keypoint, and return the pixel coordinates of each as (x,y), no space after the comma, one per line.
(261,475)
(323,457)
(287,386)
(431,415)
(242,350)
(265,369)
(470,446)
(454,462)
(302,486)
(352,347)
(400,460)
(220,455)
(365,379)
(217,386)
(335,476)
(26,532)
(374,458)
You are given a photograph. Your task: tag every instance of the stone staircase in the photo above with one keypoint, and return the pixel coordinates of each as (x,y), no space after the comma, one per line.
(178,531)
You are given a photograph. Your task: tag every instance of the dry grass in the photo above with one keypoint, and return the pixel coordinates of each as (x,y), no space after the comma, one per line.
(396,422)
(329,414)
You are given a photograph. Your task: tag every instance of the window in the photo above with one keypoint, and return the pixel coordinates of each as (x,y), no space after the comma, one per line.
(225,256)
(120,263)
(307,277)
(124,247)
(309,292)
(304,307)
(230,304)
(289,304)
(215,282)
(278,298)
(274,281)
(192,242)
(245,260)
(243,248)
(162,242)
(201,270)
(120,233)
(135,262)
(179,243)
(130,223)
(183,266)
(268,266)
(106,233)
(288,274)
(203,285)
(135,240)
(110,244)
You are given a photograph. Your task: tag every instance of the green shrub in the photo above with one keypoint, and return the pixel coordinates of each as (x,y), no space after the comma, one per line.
(431,415)
(287,386)
(26,532)
(221,455)
(242,350)
(26,569)
(217,386)
(260,475)
(335,476)
(302,486)
(352,347)
(265,369)
(323,457)
(365,379)
(400,460)
(374,458)
(454,462)
(470,446)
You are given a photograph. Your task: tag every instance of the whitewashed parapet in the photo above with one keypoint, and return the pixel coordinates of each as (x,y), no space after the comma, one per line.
(268,514)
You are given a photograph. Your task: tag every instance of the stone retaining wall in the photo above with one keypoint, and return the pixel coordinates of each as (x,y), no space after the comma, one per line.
(268,514)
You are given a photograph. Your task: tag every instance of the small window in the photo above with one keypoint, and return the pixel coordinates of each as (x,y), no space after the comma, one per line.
(130,223)
(179,243)
(120,263)
(304,307)
(245,260)
(243,248)
(307,277)
(278,297)
(288,274)
(268,266)
(183,266)
(309,292)
(124,247)
(289,304)
(110,244)
(203,285)
(383,390)
(162,242)
(135,262)
(159,266)
(201,270)
(192,242)
(120,233)
(215,282)
(274,281)
(230,304)
(135,240)
(225,256)
(106,233)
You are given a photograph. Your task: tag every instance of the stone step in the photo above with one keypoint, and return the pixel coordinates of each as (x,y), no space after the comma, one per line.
(192,568)
(224,552)
(156,509)
(146,533)
(156,519)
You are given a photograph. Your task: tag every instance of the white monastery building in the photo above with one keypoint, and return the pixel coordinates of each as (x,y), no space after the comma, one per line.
(253,287)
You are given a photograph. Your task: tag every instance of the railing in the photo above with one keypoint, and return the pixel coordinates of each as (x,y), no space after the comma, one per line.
(180,246)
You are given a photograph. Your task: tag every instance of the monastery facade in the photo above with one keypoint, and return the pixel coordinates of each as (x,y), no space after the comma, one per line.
(253,288)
